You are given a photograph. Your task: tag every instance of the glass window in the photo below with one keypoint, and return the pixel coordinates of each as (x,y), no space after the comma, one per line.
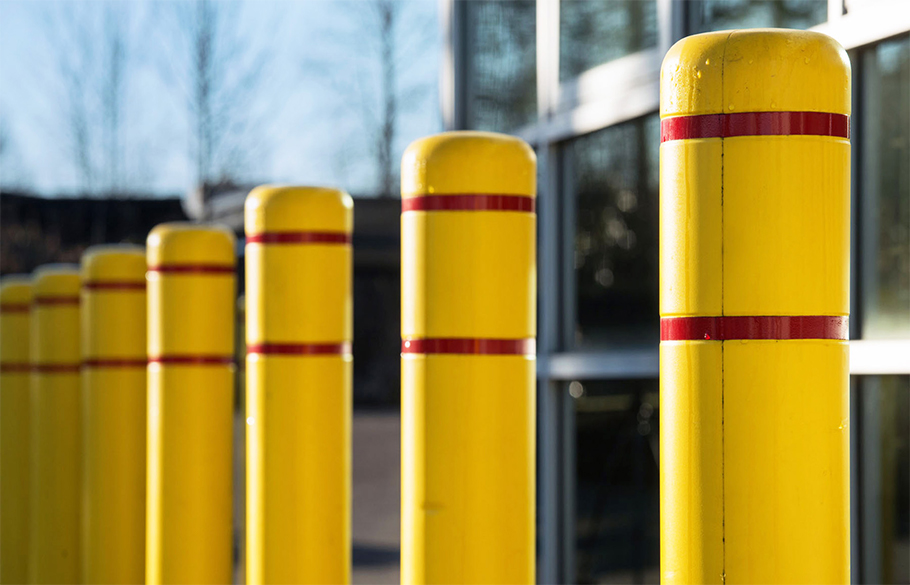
(617,503)
(884,465)
(709,15)
(611,179)
(592,32)
(502,64)
(885,190)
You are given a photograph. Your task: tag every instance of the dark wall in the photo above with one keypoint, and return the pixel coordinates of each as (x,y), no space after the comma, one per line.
(39,230)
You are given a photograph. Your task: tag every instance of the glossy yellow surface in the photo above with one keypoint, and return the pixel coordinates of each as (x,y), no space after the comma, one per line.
(754,451)
(756,70)
(190,407)
(14,430)
(114,417)
(56,432)
(298,406)
(467,500)
(468,162)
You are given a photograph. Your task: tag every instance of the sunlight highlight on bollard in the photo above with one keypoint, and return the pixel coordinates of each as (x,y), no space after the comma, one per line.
(15,309)
(113,414)
(56,496)
(755,258)
(191,296)
(299,327)
(468,311)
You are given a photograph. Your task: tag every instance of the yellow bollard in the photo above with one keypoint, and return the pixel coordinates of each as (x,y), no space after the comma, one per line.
(468,309)
(113,414)
(191,300)
(55,498)
(299,320)
(755,256)
(15,305)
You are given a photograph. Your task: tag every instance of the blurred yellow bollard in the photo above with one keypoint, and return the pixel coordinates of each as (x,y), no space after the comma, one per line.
(191,296)
(468,309)
(299,320)
(755,258)
(15,306)
(113,414)
(56,496)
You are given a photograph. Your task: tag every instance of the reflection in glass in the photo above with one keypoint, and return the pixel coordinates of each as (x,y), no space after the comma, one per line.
(884,464)
(613,176)
(885,190)
(592,32)
(617,492)
(710,15)
(502,64)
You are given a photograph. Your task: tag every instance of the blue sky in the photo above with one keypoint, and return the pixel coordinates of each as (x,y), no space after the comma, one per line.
(307,117)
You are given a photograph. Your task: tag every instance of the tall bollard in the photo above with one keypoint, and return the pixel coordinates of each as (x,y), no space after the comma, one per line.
(299,320)
(191,295)
(56,498)
(113,414)
(755,250)
(468,309)
(15,306)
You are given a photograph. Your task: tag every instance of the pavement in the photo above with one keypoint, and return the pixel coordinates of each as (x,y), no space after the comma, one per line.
(377,492)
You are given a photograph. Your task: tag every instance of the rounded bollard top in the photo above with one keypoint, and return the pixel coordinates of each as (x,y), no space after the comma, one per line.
(189,244)
(755,70)
(114,262)
(16,289)
(57,280)
(289,208)
(467,162)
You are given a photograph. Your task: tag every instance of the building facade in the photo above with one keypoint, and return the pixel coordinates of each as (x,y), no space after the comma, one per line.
(579,80)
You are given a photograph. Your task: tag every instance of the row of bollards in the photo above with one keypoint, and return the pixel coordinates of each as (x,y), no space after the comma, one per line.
(101,484)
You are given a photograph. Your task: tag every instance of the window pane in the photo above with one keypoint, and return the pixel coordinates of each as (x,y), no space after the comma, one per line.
(592,32)
(612,175)
(884,464)
(617,521)
(708,15)
(502,64)
(885,190)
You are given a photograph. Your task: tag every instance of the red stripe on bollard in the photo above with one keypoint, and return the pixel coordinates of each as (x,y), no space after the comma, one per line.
(192,360)
(14,308)
(766,327)
(54,300)
(192,269)
(470,346)
(299,238)
(115,363)
(342,348)
(56,368)
(15,368)
(113,285)
(755,124)
(469,202)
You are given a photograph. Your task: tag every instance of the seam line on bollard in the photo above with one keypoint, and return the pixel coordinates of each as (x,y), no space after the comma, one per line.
(469,202)
(192,269)
(301,237)
(55,300)
(730,328)
(113,285)
(56,368)
(15,368)
(296,349)
(115,363)
(14,307)
(192,360)
(469,346)
(755,124)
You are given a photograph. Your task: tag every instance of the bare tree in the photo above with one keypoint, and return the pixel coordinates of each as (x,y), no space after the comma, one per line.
(219,74)
(393,36)
(113,94)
